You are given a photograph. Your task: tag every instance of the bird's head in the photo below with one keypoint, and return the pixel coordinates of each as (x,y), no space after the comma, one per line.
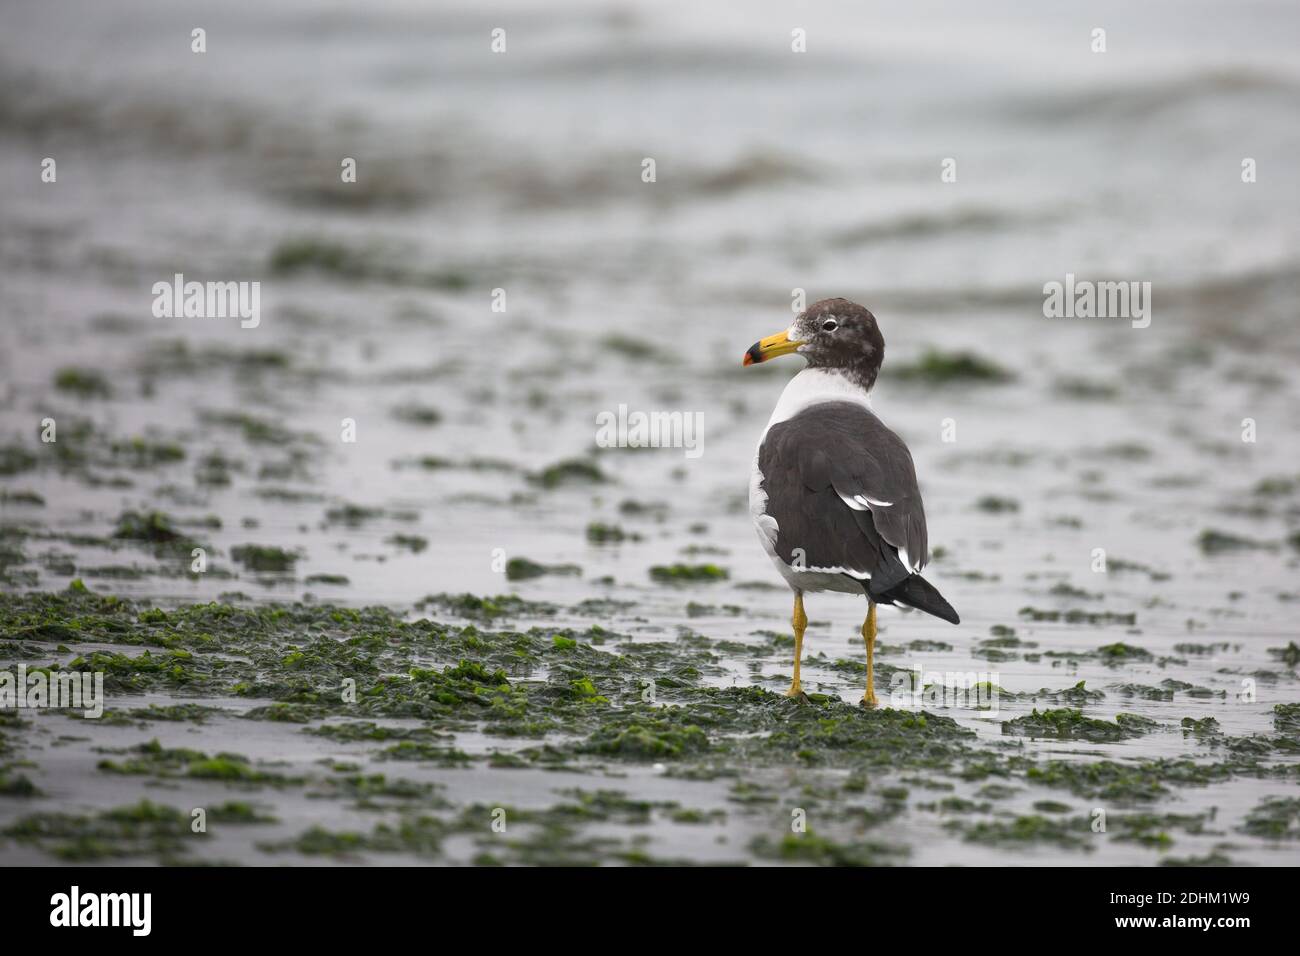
(830,334)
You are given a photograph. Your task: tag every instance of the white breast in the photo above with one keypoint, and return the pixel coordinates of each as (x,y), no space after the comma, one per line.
(814,385)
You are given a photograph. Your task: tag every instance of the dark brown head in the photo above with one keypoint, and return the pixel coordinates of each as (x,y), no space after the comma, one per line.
(830,334)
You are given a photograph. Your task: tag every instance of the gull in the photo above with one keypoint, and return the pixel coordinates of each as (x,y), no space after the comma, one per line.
(833,492)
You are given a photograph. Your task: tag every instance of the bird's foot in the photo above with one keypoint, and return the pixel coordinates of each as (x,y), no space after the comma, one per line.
(869,702)
(796,693)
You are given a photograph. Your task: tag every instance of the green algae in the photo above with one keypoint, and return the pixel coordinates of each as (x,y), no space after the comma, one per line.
(1153,829)
(140,829)
(375,791)
(352,515)
(1121,653)
(1080,616)
(1205,727)
(952,805)
(935,367)
(523,569)
(1191,690)
(1069,724)
(297,255)
(1286,720)
(549,836)
(311,254)
(82,382)
(1274,818)
(929,646)
(643,509)
(21,498)
(141,453)
(1145,780)
(11,551)
(603,806)
(644,737)
(1071,834)
(571,471)
(15,784)
(411,542)
(190,713)
(267,558)
(283,712)
(1213,542)
(687,573)
(487,608)
(214,470)
(1120,566)
(358,730)
(1078,694)
(1051,806)
(255,431)
(338,580)
(415,414)
(125,673)
(15,459)
(237,811)
(1276,486)
(997,505)
(154,760)
(634,348)
(1217,647)
(154,528)
(426,752)
(697,817)
(144,829)
(814,849)
(437,462)
(600,533)
(1144,691)
(1210,859)
(996,791)
(577,696)
(1289,655)
(420,835)
(1063,590)
(1085,389)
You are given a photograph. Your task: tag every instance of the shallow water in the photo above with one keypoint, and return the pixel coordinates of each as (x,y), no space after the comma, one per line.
(775,171)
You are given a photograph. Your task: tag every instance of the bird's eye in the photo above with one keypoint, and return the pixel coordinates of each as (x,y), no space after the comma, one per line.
(830,325)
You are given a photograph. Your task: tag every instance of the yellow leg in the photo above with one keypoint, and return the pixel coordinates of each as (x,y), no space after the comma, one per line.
(869,635)
(798,621)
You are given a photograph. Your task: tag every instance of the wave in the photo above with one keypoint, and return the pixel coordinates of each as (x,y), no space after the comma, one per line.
(965,220)
(1217,305)
(1143,100)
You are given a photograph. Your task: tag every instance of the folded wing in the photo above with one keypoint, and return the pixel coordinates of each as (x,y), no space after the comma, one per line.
(842,490)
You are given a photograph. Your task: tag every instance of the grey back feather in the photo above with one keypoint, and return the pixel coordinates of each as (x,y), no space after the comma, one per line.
(834,449)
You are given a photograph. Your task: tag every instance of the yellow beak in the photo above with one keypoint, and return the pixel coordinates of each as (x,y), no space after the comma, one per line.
(770,347)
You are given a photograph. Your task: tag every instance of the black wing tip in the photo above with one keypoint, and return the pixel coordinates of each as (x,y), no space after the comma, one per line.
(942,610)
(915,591)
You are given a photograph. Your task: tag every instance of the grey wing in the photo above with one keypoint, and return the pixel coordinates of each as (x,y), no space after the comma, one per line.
(848,465)
(875,472)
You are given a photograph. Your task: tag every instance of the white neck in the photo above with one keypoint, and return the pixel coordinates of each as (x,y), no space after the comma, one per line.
(813,385)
